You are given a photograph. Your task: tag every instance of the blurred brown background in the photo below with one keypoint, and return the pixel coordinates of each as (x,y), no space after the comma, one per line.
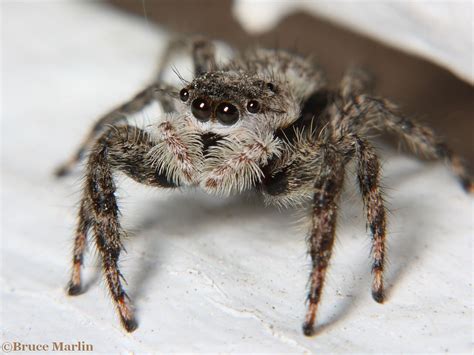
(423,89)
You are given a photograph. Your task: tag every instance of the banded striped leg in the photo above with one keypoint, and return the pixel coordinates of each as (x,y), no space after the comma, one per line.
(368,174)
(122,149)
(365,111)
(321,239)
(80,243)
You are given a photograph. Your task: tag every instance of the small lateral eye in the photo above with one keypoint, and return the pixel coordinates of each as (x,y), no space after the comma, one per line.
(271,87)
(184,95)
(253,106)
(227,113)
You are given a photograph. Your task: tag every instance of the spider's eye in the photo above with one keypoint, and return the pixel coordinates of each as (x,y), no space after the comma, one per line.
(253,106)
(271,87)
(184,95)
(201,109)
(227,113)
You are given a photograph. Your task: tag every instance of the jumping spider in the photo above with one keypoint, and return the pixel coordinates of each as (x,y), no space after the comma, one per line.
(265,121)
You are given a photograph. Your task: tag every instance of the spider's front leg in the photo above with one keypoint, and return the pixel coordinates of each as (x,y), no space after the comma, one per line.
(234,164)
(317,171)
(80,241)
(327,188)
(128,150)
(368,174)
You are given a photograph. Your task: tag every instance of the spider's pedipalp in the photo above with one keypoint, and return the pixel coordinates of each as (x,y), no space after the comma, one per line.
(178,152)
(234,165)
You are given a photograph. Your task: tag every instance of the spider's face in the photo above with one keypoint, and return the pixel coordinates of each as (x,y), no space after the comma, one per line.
(222,101)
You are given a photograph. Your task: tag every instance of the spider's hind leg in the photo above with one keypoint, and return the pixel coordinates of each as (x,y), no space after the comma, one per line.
(363,112)
(202,50)
(118,116)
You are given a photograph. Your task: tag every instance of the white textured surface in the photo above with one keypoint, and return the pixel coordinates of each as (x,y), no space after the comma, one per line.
(205,274)
(440,30)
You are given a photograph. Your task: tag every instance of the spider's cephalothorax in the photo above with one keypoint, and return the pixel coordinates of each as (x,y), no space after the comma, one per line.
(265,121)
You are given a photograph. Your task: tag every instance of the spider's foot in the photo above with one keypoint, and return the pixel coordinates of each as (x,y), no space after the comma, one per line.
(126,314)
(308,325)
(62,171)
(74,285)
(378,295)
(73,289)
(68,166)
(467,185)
(308,329)
(129,324)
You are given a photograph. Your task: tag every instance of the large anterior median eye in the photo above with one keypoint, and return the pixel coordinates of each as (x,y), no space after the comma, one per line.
(201,109)
(227,113)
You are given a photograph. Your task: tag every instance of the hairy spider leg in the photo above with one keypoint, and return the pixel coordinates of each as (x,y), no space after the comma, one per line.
(356,81)
(202,51)
(80,242)
(365,112)
(368,174)
(122,149)
(327,188)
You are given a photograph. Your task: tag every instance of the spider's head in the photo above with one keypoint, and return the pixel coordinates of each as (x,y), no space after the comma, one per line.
(223,100)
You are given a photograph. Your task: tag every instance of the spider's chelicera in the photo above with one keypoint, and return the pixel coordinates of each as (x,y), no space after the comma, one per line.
(265,121)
